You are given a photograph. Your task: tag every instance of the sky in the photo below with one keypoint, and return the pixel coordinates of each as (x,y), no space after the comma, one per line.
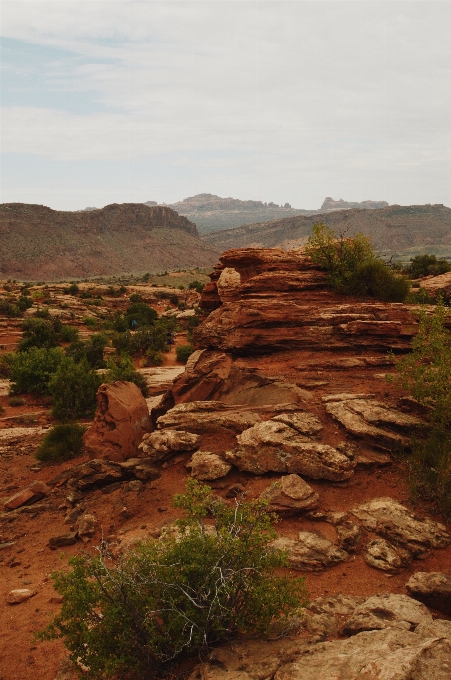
(112,101)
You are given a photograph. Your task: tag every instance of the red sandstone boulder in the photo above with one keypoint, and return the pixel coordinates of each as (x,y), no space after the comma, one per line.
(27,496)
(121,420)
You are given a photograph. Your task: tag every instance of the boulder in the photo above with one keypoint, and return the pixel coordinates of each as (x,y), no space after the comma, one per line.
(201,416)
(34,492)
(383,555)
(387,611)
(326,615)
(162,444)
(62,540)
(86,525)
(304,422)
(391,520)
(310,551)
(277,447)
(19,595)
(290,495)
(95,473)
(348,535)
(431,588)
(205,465)
(120,422)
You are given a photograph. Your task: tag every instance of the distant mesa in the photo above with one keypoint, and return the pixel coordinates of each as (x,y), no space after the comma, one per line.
(329,205)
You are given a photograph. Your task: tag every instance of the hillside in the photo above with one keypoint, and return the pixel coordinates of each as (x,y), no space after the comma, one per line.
(37,242)
(395,228)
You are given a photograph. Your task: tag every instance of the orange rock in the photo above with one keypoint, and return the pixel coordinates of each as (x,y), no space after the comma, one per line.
(121,420)
(27,496)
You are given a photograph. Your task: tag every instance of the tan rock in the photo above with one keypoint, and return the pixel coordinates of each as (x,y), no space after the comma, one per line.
(27,496)
(304,422)
(383,555)
(86,525)
(205,465)
(162,444)
(228,284)
(121,420)
(310,552)
(387,611)
(431,588)
(201,416)
(290,495)
(19,595)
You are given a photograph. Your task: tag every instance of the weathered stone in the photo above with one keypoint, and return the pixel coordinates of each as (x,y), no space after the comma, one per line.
(382,554)
(19,595)
(228,285)
(290,495)
(390,519)
(274,446)
(310,552)
(162,444)
(326,615)
(34,492)
(387,611)
(86,525)
(120,422)
(146,470)
(205,465)
(66,671)
(95,472)
(201,416)
(431,588)
(369,419)
(304,422)
(348,536)
(62,540)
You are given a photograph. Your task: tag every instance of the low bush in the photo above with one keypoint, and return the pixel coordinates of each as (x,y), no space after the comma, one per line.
(133,616)
(353,267)
(92,350)
(73,387)
(122,368)
(196,285)
(32,370)
(62,442)
(139,314)
(154,358)
(68,333)
(183,353)
(16,401)
(426,265)
(73,289)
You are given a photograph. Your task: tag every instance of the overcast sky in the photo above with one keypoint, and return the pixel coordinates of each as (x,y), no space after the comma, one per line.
(111,101)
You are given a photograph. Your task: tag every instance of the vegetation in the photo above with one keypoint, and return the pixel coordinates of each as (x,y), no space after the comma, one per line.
(183,353)
(121,368)
(196,285)
(44,332)
(200,585)
(73,387)
(353,267)
(32,370)
(62,442)
(426,265)
(426,374)
(16,401)
(92,350)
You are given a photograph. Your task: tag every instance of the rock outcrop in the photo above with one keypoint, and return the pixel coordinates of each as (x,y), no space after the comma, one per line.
(121,420)
(432,588)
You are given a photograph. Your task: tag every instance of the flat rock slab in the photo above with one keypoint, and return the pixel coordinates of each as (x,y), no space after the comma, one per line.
(394,522)
(290,495)
(431,588)
(202,416)
(310,552)
(273,446)
(387,611)
(205,465)
(162,444)
(27,496)
(304,422)
(19,595)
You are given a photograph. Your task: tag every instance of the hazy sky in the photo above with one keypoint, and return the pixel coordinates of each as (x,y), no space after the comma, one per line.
(111,101)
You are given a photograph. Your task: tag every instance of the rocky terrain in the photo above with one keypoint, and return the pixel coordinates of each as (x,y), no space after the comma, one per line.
(394,229)
(329,205)
(285,397)
(37,243)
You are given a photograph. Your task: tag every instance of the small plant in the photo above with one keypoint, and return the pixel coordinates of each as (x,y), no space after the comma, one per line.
(16,401)
(196,285)
(62,442)
(198,586)
(183,353)
(154,358)
(73,289)
(427,265)
(68,333)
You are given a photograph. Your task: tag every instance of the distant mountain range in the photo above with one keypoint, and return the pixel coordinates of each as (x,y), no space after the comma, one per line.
(38,243)
(213,213)
(394,229)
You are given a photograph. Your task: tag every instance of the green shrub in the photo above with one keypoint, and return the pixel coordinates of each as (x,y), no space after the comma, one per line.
(73,289)
(37,333)
(141,314)
(426,265)
(122,368)
(154,358)
(135,297)
(68,333)
(426,374)
(9,308)
(90,321)
(420,296)
(196,285)
(32,370)
(62,442)
(183,353)
(135,615)
(16,401)
(73,387)
(42,313)
(353,267)
(174,299)
(24,302)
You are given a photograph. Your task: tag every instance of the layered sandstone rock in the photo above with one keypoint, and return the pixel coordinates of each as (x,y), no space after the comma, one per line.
(121,420)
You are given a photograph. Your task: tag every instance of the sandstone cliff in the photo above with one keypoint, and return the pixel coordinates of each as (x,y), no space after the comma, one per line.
(39,243)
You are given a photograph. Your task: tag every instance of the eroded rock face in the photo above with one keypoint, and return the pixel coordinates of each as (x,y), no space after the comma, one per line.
(274,446)
(391,520)
(383,555)
(431,588)
(290,495)
(205,465)
(160,445)
(201,416)
(120,422)
(310,551)
(387,611)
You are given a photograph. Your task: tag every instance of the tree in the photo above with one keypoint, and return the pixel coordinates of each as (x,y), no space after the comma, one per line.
(196,586)
(73,388)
